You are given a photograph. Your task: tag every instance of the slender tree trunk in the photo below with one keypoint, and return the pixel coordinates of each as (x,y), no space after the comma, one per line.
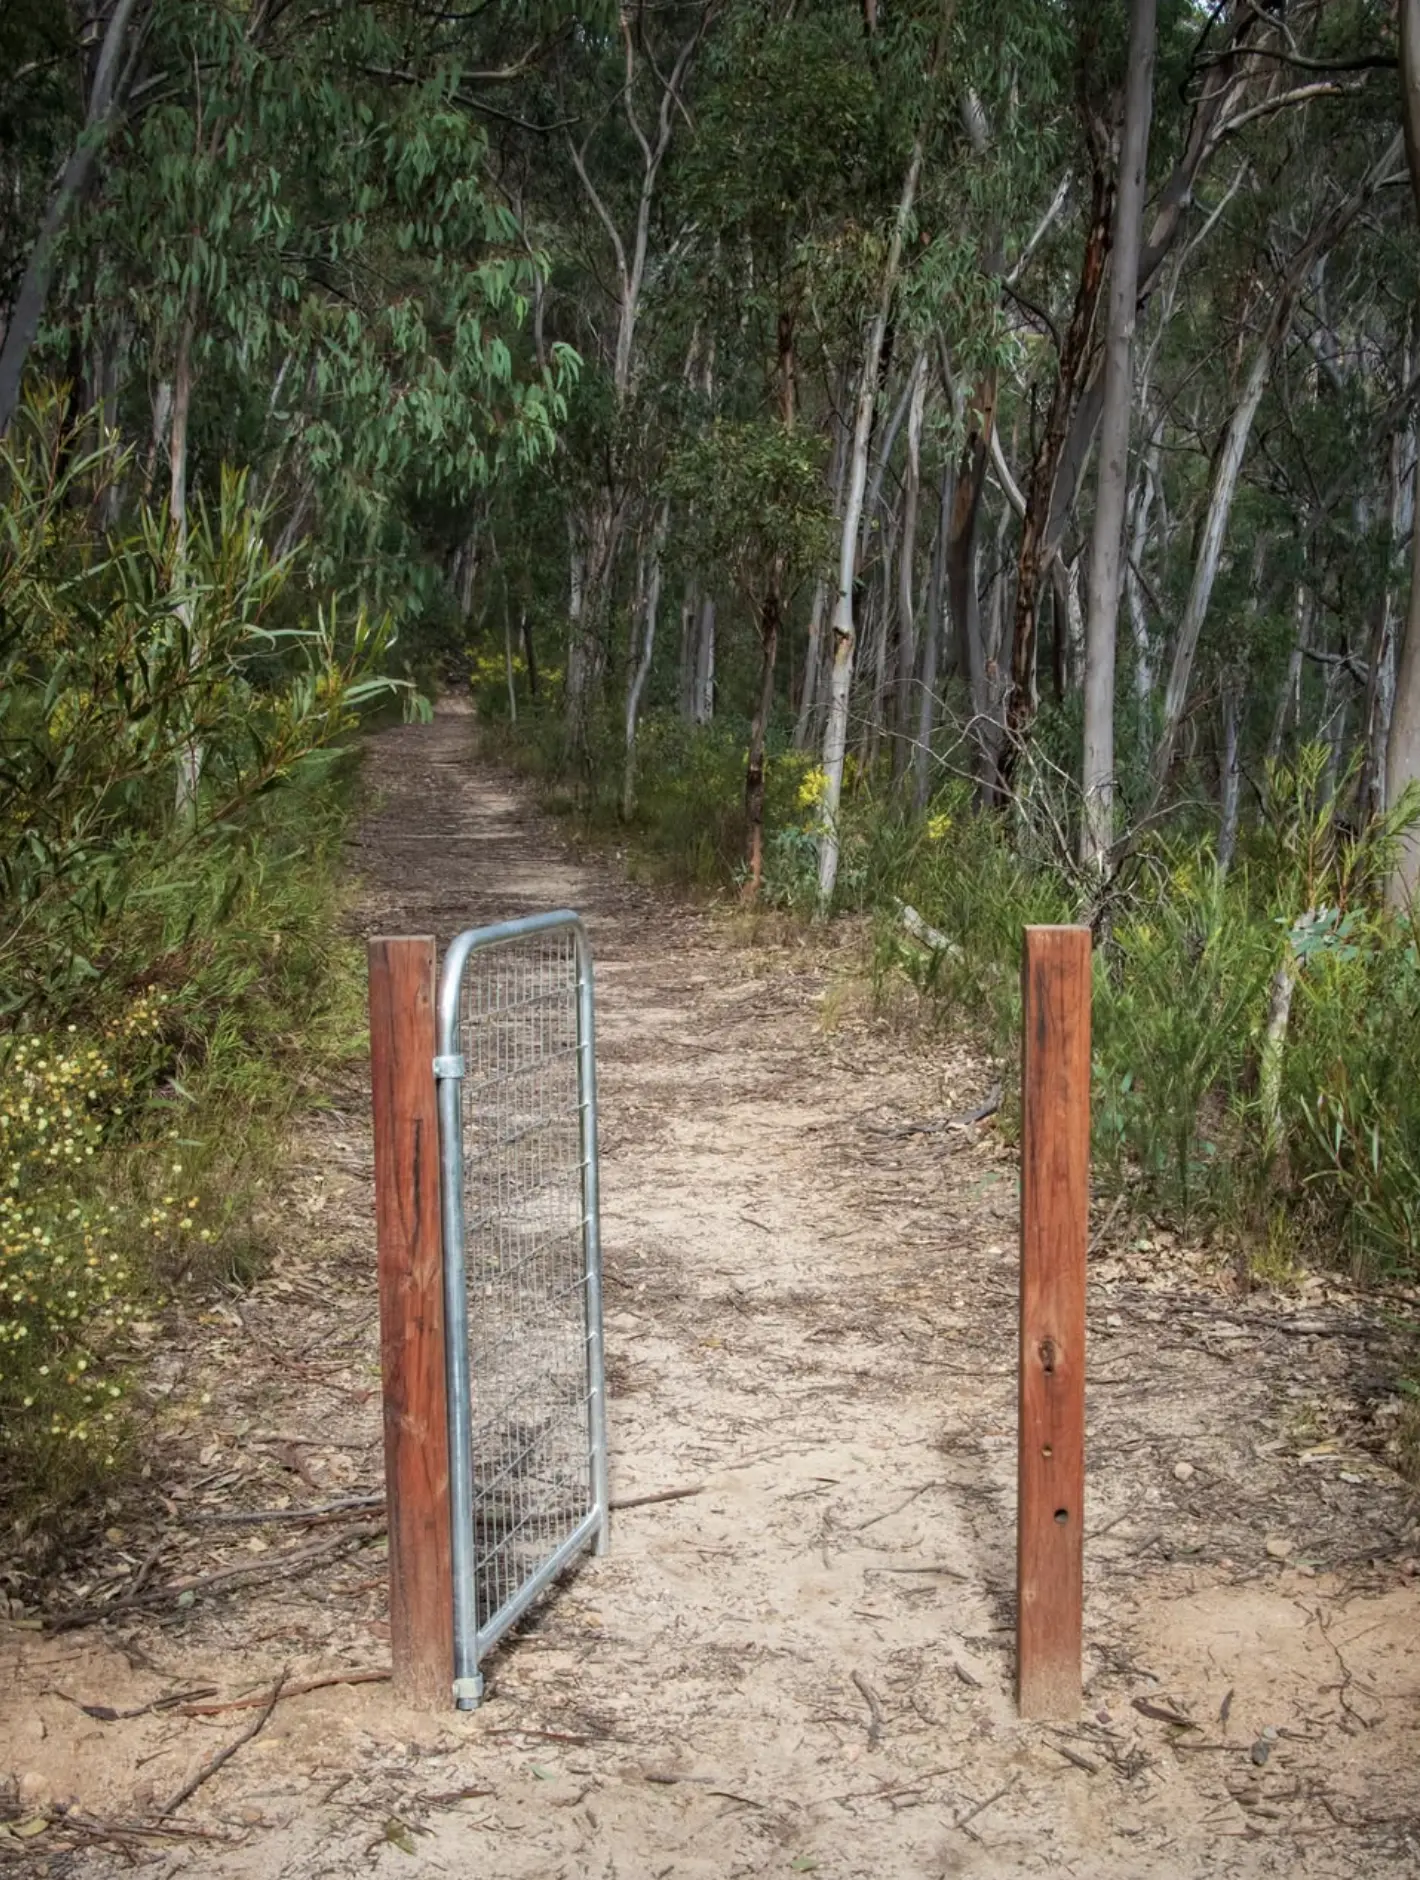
(1228,464)
(813,648)
(1134,589)
(1230,778)
(689,607)
(841,673)
(190,758)
(27,313)
(880,640)
(642,671)
(1112,487)
(1380,677)
(932,660)
(1039,539)
(906,575)
(813,654)
(769,624)
(1289,702)
(1226,470)
(529,656)
(1403,748)
(508,661)
(962,580)
(1332,729)
(703,696)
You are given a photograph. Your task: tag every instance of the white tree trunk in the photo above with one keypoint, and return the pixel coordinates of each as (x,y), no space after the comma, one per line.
(1210,554)
(702,702)
(643,666)
(907,573)
(835,738)
(1101,621)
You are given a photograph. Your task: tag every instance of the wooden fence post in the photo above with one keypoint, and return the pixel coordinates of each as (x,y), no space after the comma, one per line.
(1055,1179)
(411,1317)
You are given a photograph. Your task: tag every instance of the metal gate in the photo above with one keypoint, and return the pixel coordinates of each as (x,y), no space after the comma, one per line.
(522,1271)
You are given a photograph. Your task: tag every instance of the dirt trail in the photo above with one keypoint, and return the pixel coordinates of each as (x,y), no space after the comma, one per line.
(805,1667)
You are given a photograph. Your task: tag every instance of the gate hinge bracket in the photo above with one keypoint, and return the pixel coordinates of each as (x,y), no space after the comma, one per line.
(450,1067)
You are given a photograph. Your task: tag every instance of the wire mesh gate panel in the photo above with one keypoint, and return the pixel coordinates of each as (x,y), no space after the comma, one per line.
(522,1271)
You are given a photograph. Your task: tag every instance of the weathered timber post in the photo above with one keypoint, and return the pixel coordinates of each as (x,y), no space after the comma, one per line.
(1055,1176)
(411,1317)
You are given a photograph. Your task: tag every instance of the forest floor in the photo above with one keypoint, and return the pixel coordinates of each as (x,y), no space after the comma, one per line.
(806,1666)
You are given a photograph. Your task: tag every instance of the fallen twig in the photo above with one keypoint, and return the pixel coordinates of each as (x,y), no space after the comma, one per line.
(949,1573)
(1107,1222)
(322,1511)
(619,1503)
(981,1807)
(1161,1714)
(875,1709)
(924,933)
(964,1121)
(105,1713)
(1081,1762)
(873,1519)
(273,1566)
(210,1768)
(374,1674)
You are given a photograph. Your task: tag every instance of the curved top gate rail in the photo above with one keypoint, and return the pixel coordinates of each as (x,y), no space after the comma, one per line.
(516,1075)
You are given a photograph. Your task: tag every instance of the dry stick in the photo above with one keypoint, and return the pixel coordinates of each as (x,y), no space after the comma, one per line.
(1107,1222)
(271,1568)
(981,1807)
(873,1520)
(619,1503)
(209,1769)
(950,1573)
(374,1674)
(870,1698)
(322,1511)
(1073,1756)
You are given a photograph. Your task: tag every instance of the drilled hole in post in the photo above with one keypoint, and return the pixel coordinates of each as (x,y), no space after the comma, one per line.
(1062,1515)
(1047,1451)
(1047,1354)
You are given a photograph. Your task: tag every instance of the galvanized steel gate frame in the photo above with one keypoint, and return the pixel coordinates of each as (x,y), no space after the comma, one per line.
(474,1639)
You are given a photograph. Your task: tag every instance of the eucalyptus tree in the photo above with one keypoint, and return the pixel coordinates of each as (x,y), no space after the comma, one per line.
(1112,483)
(1403,756)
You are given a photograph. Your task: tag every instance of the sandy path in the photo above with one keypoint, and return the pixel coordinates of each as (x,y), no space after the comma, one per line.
(806,1666)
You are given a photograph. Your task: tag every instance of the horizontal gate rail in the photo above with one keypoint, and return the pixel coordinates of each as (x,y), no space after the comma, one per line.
(516,1071)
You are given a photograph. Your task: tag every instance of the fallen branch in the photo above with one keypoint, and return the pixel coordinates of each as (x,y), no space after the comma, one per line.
(897,1508)
(374,1674)
(619,1503)
(322,1511)
(926,935)
(964,1121)
(875,1709)
(210,1768)
(951,1573)
(981,1807)
(1163,1714)
(272,1567)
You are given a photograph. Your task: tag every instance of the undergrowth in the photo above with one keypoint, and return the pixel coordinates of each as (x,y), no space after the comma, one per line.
(172,977)
(1302,1143)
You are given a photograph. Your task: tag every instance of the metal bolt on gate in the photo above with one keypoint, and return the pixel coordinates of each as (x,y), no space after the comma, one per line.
(517,1107)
